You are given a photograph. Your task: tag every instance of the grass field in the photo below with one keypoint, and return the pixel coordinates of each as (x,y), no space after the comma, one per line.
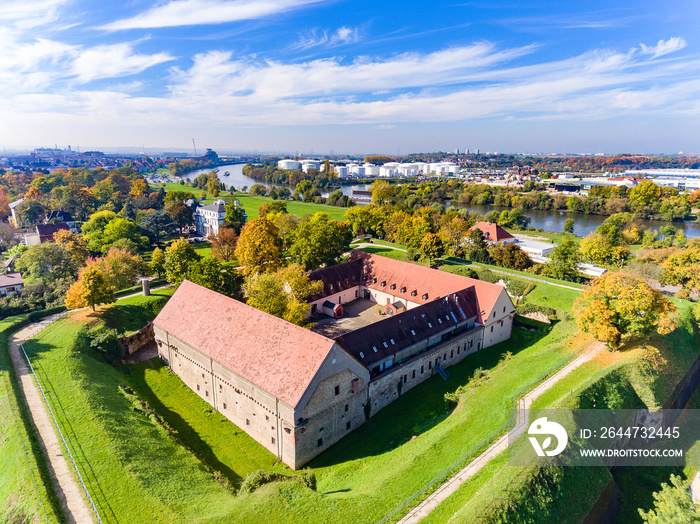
(24,477)
(361,478)
(251,204)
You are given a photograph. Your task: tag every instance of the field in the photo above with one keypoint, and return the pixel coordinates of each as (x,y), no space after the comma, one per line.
(182,474)
(24,474)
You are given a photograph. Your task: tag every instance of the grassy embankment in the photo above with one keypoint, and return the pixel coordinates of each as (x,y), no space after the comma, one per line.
(23,491)
(361,478)
(638,376)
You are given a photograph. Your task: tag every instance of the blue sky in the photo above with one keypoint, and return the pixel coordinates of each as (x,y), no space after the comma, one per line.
(351,76)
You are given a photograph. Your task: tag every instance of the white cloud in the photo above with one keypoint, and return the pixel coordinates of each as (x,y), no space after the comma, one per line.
(112,61)
(197,12)
(27,14)
(664,47)
(342,36)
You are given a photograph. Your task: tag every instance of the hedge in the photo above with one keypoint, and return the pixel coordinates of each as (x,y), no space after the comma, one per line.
(259,478)
(524,308)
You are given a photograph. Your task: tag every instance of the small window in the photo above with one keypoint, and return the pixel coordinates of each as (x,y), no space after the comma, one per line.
(405,379)
(393,286)
(347,407)
(385,344)
(383,284)
(444,357)
(362,355)
(267,419)
(224,405)
(319,443)
(374,348)
(494,314)
(422,369)
(491,329)
(337,390)
(425,296)
(504,309)
(206,393)
(413,332)
(273,440)
(392,341)
(452,353)
(430,365)
(348,425)
(288,430)
(414,374)
(403,289)
(440,320)
(320,430)
(221,388)
(247,422)
(197,387)
(414,293)
(429,324)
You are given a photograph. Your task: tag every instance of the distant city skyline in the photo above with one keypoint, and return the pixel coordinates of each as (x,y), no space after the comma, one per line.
(351,77)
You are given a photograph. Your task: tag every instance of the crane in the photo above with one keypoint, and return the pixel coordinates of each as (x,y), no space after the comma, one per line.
(195,147)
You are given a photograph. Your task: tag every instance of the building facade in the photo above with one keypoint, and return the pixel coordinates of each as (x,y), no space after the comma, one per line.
(298,392)
(207,219)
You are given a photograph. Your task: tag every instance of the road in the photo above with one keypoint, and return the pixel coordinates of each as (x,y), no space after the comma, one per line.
(448,488)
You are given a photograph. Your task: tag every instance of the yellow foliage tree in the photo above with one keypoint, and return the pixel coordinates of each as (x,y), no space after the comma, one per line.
(618,304)
(89,290)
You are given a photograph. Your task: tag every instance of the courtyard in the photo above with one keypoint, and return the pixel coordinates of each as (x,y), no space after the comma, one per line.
(357,314)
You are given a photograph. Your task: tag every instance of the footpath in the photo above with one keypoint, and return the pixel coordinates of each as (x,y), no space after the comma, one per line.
(521,423)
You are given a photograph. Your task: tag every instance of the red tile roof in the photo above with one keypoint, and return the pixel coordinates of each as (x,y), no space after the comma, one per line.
(492,232)
(424,281)
(277,356)
(10,279)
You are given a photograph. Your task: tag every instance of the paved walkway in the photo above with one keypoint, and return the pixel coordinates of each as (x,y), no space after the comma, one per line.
(68,491)
(448,488)
(518,275)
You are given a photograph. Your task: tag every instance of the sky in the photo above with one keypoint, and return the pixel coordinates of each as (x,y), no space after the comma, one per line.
(351,76)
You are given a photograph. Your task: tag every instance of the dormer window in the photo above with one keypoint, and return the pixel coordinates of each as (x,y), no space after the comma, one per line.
(383,284)
(392,287)
(414,293)
(425,296)
(403,289)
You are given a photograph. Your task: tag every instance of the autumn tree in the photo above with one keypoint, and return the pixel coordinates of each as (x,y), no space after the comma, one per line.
(120,269)
(73,243)
(453,231)
(277,207)
(259,247)
(9,236)
(29,211)
(382,192)
(432,247)
(138,187)
(645,193)
(510,256)
(682,268)
(181,214)
(367,220)
(282,293)
(90,290)
(158,262)
(178,258)
(209,272)
(618,304)
(319,241)
(223,244)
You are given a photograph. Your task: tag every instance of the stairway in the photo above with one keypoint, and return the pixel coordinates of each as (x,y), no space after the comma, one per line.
(443,373)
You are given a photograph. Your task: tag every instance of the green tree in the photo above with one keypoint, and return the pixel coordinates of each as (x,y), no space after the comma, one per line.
(47,263)
(259,247)
(158,262)
(120,269)
(564,261)
(73,243)
(319,241)
(181,214)
(235,218)
(645,194)
(278,207)
(209,272)
(432,247)
(93,230)
(119,228)
(618,304)
(382,192)
(90,290)
(569,226)
(282,293)
(179,256)
(29,211)
(157,223)
(672,505)
(475,247)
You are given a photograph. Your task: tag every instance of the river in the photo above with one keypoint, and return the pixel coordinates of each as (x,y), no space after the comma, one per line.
(546,220)
(553,221)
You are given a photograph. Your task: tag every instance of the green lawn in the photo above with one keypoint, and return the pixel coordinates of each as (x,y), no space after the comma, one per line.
(360,479)
(24,479)
(251,204)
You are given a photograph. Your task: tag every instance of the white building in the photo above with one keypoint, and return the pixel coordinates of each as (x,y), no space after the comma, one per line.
(10,283)
(207,219)
(288,164)
(341,171)
(306,165)
(13,208)
(371,169)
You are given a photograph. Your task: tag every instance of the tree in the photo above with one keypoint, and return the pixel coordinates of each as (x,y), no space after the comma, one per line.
(158,262)
(600,249)
(181,214)
(157,223)
(564,261)
(645,194)
(682,268)
(89,290)
(73,243)
(29,211)
(475,247)
(319,241)
(178,258)
(618,304)
(259,247)
(119,228)
(47,262)
(138,187)
(209,272)
(223,244)
(382,192)
(120,268)
(569,226)
(258,189)
(453,232)
(9,235)
(282,293)
(432,247)
(93,229)
(510,256)
(278,207)
(235,218)
(673,504)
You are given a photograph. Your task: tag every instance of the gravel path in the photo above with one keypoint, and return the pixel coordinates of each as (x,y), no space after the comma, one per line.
(65,486)
(448,488)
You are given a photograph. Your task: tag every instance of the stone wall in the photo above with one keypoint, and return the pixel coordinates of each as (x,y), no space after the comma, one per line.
(132,343)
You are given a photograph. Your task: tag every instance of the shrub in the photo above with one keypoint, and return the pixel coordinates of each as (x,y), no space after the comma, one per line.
(259,478)
(519,288)
(524,308)
(467,272)
(488,276)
